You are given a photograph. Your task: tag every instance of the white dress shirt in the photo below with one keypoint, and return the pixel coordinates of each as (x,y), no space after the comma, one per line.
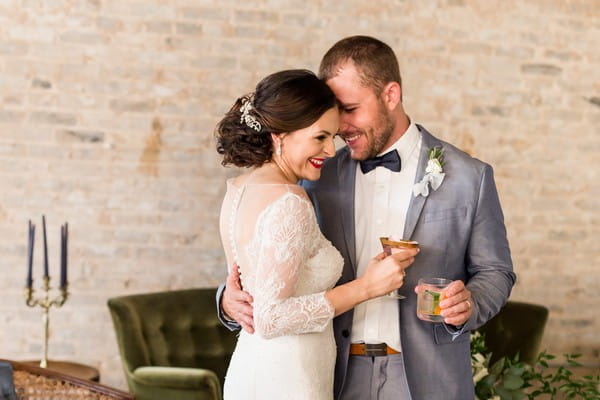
(380,206)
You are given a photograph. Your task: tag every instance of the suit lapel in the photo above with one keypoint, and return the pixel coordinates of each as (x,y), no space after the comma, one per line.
(417,203)
(347,174)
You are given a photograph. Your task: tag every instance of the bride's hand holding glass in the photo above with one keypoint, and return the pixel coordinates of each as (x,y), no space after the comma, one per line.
(391,245)
(385,273)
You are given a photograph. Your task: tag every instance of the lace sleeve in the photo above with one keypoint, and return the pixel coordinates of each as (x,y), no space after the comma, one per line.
(284,233)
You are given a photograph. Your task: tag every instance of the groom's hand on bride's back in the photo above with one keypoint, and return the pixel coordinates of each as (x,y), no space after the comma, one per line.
(236,303)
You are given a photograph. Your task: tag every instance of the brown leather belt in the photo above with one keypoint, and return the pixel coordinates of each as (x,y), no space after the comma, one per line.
(371,350)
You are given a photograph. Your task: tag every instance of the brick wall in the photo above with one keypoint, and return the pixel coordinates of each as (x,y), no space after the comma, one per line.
(107,109)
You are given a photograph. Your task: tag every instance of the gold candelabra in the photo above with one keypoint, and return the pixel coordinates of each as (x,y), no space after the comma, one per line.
(46,303)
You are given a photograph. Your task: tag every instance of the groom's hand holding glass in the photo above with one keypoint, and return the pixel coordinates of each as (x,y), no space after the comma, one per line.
(457,304)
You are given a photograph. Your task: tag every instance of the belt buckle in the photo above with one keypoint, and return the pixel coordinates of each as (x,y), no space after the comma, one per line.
(375,349)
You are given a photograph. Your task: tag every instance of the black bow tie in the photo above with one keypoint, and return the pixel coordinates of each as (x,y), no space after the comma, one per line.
(390,160)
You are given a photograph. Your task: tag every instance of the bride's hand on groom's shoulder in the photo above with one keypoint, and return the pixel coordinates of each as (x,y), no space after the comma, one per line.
(386,273)
(236,303)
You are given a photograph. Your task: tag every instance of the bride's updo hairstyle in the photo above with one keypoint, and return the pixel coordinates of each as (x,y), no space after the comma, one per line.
(282,102)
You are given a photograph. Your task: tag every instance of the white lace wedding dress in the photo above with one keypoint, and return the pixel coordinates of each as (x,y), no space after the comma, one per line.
(286,264)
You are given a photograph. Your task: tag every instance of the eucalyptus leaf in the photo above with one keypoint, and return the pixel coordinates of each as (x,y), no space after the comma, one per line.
(518,395)
(489,380)
(504,393)
(511,379)
(498,366)
(516,370)
(513,382)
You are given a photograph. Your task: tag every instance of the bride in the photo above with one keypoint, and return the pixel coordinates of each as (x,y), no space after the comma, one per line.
(284,131)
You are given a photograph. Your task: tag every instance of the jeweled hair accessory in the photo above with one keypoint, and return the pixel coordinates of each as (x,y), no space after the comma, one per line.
(246,117)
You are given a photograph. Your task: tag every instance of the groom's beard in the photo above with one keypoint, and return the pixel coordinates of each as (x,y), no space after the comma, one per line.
(382,131)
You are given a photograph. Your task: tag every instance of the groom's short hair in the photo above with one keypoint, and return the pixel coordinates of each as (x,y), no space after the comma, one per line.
(375,61)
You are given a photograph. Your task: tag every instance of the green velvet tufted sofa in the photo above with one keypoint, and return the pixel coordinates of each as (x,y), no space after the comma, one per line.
(517,328)
(172,345)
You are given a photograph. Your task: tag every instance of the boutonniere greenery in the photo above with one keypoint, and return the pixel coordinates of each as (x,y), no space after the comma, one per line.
(434,173)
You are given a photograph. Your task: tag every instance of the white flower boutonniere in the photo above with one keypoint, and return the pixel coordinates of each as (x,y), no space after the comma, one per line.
(434,173)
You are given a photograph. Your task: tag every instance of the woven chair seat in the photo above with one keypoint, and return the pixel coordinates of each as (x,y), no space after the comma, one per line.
(34,383)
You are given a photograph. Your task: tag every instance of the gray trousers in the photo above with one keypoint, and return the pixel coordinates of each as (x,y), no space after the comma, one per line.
(375,378)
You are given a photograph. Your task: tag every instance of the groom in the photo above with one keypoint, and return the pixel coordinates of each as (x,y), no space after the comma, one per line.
(382,183)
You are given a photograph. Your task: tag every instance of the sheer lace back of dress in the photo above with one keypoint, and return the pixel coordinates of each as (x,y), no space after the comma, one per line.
(286,264)
(270,231)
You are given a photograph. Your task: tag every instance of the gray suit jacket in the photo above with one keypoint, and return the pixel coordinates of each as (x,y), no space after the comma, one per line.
(460,229)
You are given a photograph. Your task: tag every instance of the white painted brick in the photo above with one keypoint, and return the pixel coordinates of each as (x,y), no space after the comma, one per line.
(107,112)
